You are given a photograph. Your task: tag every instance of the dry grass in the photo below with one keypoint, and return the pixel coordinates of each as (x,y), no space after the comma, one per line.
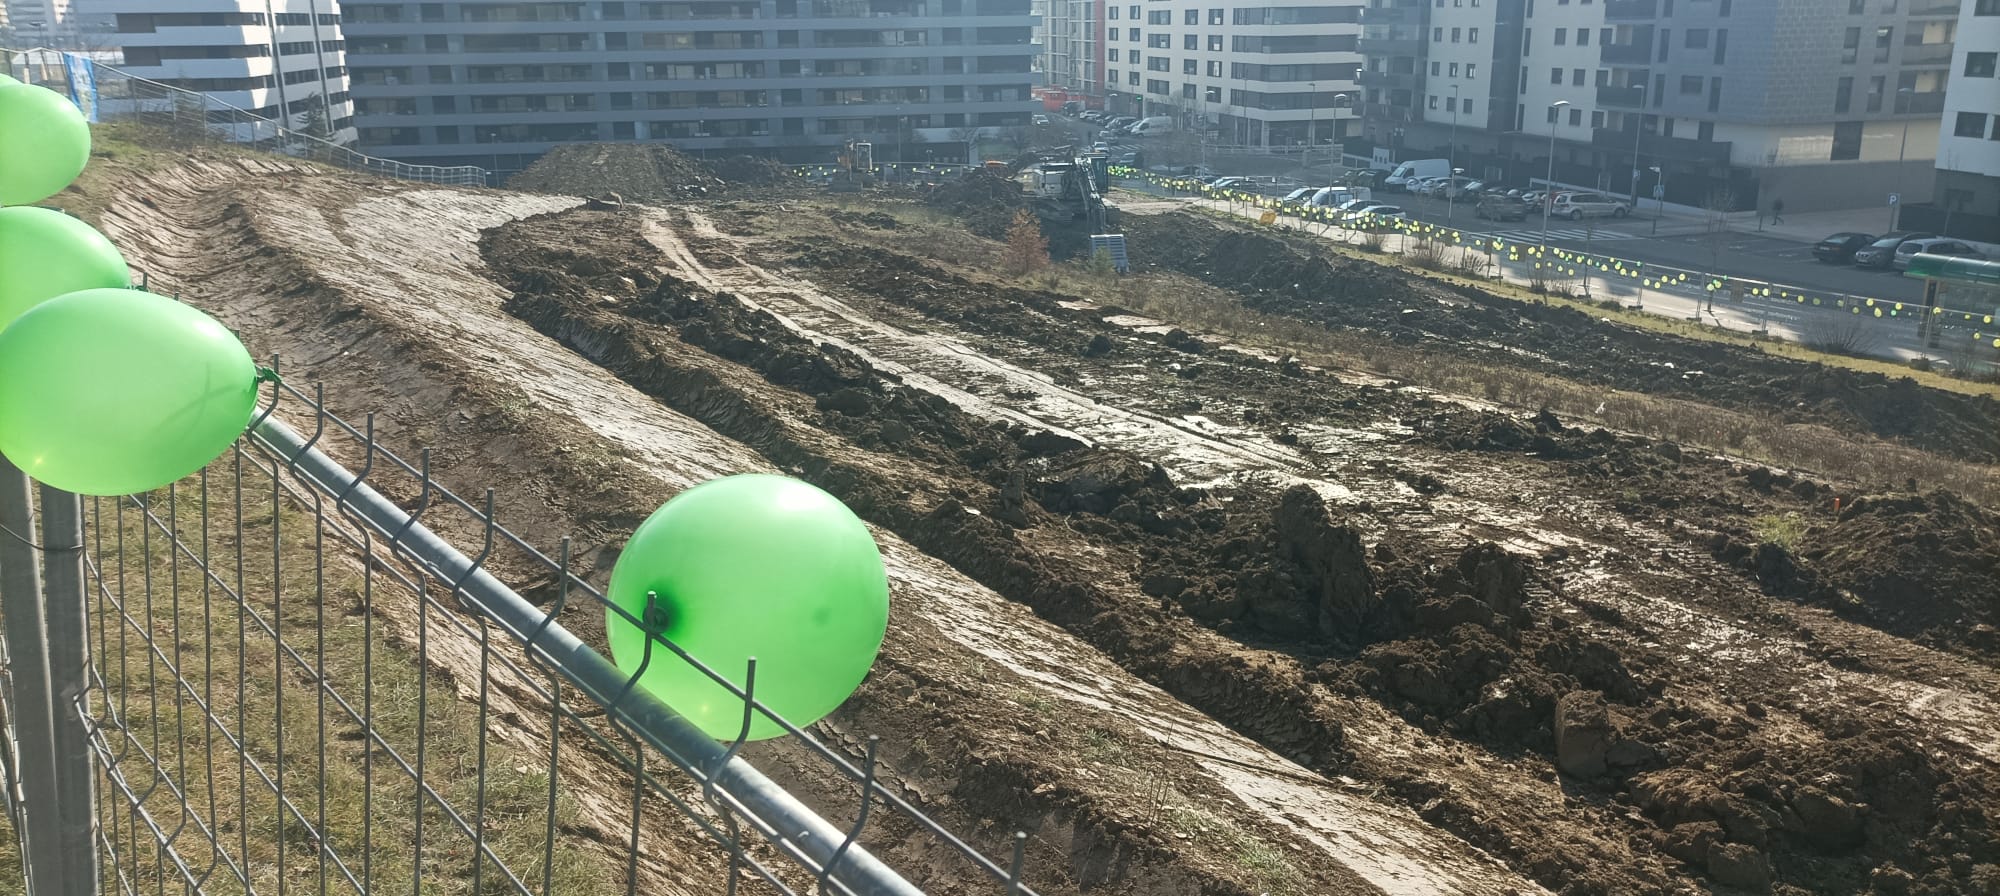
(265,673)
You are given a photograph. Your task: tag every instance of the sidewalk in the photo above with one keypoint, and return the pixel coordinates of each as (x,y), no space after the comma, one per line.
(1803,227)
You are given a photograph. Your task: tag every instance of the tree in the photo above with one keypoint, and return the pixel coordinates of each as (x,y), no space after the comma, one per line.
(1716,210)
(1027,249)
(312,122)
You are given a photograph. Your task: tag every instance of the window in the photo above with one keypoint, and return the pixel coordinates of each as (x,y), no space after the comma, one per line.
(1454,35)
(1846,141)
(1472,35)
(1980,65)
(1856,7)
(1597,119)
(1555,76)
(1575,117)
(1132,34)
(1996,128)
(1970,124)
(1850,46)
(1190,66)
(1190,42)
(1215,68)
(1986,7)
(1132,12)
(1466,107)
(1875,93)
(1212,94)
(1583,37)
(1527,40)
(1843,96)
(1187,91)
(1666,42)
(1883,35)
(1453,68)
(1721,45)
(1472,70)
(1192,17)
(1132,78)
(1697,38)
(1552,114)
(1215,43)
(1576,77)
(1160,17)
(1112,14)
(1215,17)
(1690,83)
(1437,35)
(1705,132)
(1434,101)
(1562,37)
(1451,104)
(1435,66)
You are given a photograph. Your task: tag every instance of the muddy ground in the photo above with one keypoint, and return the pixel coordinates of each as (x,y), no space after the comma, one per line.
(1206,619)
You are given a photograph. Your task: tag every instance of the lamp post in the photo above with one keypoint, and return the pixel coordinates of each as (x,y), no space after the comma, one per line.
(1312,122)
(1340,101)
(1901,107)
(1662,187)
(1549,184)
(1451,157)
(1638,133)
(1395,144)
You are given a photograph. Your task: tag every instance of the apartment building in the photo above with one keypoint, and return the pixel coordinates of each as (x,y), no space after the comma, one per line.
(279,59)
(1823,103)
(1072,39)
(1258,75)
(57,24)
(498,84)
(1968,156)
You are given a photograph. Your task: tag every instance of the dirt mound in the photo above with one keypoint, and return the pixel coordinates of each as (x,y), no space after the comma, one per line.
(1299,278)
(648,172)
(985,200)
(1917,565)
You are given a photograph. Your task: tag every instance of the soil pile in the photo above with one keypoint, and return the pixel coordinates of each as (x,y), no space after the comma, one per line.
(1913,565)
(648,172)
(985,200)
(1298,278)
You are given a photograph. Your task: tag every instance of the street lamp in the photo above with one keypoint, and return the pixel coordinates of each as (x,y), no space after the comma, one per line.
(1340,101)
(1901,108)
(1312,121)
(1451,157)
(1638,133)
(1662,187)
(1549,184)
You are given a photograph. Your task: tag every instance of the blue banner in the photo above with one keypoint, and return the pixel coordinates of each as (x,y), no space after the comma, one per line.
(82,84)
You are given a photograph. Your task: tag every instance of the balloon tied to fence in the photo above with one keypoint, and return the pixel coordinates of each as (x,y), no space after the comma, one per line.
(104,390)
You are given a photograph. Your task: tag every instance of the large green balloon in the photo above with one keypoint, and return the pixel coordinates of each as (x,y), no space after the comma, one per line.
(45,253)
(116,391)
(752,566)
(44,143)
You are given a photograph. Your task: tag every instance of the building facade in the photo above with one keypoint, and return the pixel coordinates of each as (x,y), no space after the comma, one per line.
(1257,75)
(56,24)
(279,59)
(1821,103)
(1072,46)
(1968,157)
(498,84)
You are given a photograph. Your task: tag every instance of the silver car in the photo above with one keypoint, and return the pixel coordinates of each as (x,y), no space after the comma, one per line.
(1577,206)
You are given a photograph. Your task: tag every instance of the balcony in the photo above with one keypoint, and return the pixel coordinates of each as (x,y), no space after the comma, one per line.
(1658,147)
(1396,80)
(1393,12)
(1388,113)
(1626,54)
(1926,8)
(1927,54)
(1390,46)
(1631,10)
(1927,104)
(1621,97)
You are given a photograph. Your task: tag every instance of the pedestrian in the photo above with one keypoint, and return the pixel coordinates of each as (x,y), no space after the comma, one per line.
(1777,211)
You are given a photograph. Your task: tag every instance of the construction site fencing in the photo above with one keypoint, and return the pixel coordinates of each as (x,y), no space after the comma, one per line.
(278,675)
(1956,326)
(107,93)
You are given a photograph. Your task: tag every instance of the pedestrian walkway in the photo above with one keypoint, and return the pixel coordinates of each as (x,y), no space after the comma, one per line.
(1578,234)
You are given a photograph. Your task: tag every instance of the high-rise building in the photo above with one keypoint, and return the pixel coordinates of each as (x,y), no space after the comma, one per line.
(1968,157)
(57,24)
(1073,46)
(1737,103)
(498,84)
(279,59)
(1261,75)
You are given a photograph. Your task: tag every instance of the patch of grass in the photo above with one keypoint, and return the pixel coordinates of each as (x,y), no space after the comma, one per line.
(228,724)
(1783,530)
(1104,748)
(1036,703)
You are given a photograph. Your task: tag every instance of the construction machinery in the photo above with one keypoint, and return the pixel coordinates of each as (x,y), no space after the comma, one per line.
(1063,190)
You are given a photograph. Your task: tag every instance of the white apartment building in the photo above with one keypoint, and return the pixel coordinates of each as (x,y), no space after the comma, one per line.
(57,24)
(1260,75)
(1071,51)
(1968,153)
(278,59)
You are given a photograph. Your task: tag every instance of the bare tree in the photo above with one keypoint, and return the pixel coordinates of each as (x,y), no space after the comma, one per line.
(1715,232)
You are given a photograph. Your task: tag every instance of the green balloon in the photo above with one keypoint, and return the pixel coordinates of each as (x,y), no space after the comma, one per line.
(117,391)
(45,253)
(751,566)
(44,143)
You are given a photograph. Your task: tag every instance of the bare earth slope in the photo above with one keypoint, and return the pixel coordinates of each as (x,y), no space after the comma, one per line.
(997,712)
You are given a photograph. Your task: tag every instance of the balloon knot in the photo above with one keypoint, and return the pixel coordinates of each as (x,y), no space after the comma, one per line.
(655,619)
(268,375)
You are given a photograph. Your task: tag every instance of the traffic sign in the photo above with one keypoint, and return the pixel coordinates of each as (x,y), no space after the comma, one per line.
(1895,198)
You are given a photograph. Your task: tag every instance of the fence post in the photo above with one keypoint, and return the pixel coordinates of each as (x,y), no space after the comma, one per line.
(66,625)
(29,706)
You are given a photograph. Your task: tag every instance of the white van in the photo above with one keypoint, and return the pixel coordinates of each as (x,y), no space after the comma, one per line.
(1154,126)
(1416,169)
(1328,197)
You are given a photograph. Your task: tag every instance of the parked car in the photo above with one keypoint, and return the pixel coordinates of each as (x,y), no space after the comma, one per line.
(1130,159)
(1334,197)
(1420,186)
(1940,246)
(1881,253)
(1442,187)
(1353,216)
(1473,190)
(1840,247)
(1100,146)
(1091,115)
(1038,119)
(1352,205)
(1577,206)
(1299,196)
(1379,216)
(1500,207)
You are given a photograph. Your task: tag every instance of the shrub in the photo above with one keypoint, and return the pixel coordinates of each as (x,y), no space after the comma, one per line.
(1027,249)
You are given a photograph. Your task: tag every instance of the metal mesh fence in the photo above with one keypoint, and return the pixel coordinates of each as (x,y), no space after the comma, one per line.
(187,116)
(288,681)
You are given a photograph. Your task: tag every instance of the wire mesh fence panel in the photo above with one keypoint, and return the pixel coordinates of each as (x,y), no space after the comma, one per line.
(295,686)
